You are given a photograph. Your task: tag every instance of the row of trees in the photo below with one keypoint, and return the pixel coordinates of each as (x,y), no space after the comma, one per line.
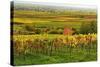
(85,28)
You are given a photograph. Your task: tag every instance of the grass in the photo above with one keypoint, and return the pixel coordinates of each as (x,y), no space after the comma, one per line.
(49,36)
(34,59)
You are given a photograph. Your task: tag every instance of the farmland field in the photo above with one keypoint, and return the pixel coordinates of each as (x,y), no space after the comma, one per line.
(48,34)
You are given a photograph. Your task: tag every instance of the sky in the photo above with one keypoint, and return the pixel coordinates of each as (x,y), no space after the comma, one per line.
(70,3)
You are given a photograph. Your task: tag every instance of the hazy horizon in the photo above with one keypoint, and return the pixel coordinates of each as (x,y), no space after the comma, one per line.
(59,4)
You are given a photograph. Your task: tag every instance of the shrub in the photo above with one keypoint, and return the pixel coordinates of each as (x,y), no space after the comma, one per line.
(90,27)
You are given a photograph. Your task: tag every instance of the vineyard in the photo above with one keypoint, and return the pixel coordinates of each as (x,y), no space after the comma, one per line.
(49,34)
(56,45)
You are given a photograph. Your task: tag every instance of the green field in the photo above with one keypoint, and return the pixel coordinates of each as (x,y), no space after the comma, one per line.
(80,56)
(43,20)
